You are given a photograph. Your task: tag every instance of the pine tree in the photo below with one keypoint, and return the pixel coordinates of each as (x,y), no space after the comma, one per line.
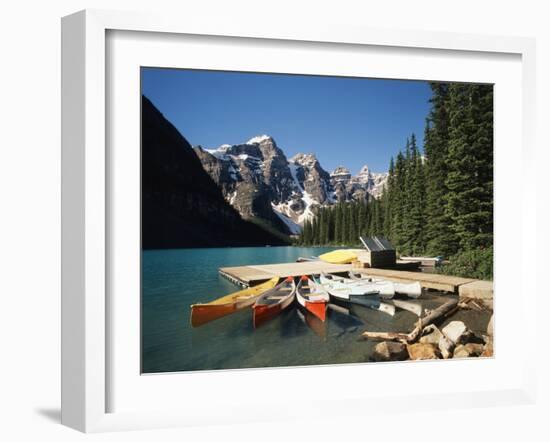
(469,197)
(338,223)
(482,144)
(361,219)
(398,203)
(345,225)
(352,220)
(440,203)
(387,200)
(415,201)
(439,237)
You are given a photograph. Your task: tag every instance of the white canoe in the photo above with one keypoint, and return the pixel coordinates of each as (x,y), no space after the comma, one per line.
(356,294)
(385,289)
(410,289)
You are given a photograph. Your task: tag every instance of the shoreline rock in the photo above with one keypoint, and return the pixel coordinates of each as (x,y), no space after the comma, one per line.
(420,351)
(390,351)
(468,350)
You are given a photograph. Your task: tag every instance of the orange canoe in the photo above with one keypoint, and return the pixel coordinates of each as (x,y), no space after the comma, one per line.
(204,313)
(274,301)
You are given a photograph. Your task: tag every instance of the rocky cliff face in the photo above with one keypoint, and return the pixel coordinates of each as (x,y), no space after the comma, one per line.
(260,182)
(362,186)
(252,177)
(312,178)
(182,206)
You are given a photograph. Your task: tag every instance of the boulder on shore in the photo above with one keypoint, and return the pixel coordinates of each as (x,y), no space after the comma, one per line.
(421,351)
(458,333)
(446,347)
(390,351)
(468,350)
(430,335)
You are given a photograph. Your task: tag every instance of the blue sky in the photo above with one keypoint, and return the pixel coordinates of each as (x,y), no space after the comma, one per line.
(344,121)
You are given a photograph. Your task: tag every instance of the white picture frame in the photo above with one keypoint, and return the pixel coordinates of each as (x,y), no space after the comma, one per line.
(86,204)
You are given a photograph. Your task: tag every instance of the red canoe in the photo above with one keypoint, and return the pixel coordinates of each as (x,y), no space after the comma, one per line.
(313,297)
(273,302)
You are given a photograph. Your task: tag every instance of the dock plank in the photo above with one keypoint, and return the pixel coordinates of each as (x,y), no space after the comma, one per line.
(477,290)
(254,274)
(247,275)
(434,281)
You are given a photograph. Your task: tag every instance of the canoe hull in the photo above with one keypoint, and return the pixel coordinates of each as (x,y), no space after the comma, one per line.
(263,310)
(203,314)
(319,309)
(263,313)
(312,297)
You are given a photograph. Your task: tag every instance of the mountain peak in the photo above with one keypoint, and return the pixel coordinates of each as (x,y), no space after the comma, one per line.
(304,159)
(259,138)
(364,170)
(340,170)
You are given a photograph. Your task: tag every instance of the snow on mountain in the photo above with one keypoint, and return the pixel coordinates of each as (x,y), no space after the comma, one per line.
(259,181)
(258,139)
(293,227)
(361,186)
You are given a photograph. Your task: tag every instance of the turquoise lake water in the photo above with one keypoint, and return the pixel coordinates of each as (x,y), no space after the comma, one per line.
(174,279)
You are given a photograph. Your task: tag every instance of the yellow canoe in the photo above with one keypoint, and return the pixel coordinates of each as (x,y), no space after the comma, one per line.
(344,256)
(203,313)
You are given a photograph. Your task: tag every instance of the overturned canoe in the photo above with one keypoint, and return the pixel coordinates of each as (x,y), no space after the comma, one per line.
(359,294)
(313,297)
(385,289)
(272,302)
(204,313)
(345,256)
(410,289)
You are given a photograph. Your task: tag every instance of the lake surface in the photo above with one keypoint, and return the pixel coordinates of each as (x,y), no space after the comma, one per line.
(174,279)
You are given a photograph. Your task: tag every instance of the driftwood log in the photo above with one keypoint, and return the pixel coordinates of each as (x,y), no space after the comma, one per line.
(406,338)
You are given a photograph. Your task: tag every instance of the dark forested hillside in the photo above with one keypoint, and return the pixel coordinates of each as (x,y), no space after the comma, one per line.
(438,202)
(181,205)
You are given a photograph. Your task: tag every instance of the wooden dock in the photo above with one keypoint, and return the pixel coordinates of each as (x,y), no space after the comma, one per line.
(433,281)
(251,275)
(254,274)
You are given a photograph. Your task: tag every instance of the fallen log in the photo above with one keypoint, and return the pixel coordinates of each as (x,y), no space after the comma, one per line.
(406,338)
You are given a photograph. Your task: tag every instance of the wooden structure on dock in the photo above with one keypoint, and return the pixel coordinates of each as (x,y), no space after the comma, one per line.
(378,253)
(424,261)
(254,274)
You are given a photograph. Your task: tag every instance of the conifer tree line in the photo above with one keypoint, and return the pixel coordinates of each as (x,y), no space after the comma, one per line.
(439,202)
(343,223)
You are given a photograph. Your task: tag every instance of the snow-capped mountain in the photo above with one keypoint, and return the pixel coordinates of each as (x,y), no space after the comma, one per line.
(260,182)
(360,186)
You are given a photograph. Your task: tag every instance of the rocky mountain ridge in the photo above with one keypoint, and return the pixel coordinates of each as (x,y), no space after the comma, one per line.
(258,180)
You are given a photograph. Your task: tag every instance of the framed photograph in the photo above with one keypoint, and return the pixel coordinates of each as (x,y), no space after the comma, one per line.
(250,207)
